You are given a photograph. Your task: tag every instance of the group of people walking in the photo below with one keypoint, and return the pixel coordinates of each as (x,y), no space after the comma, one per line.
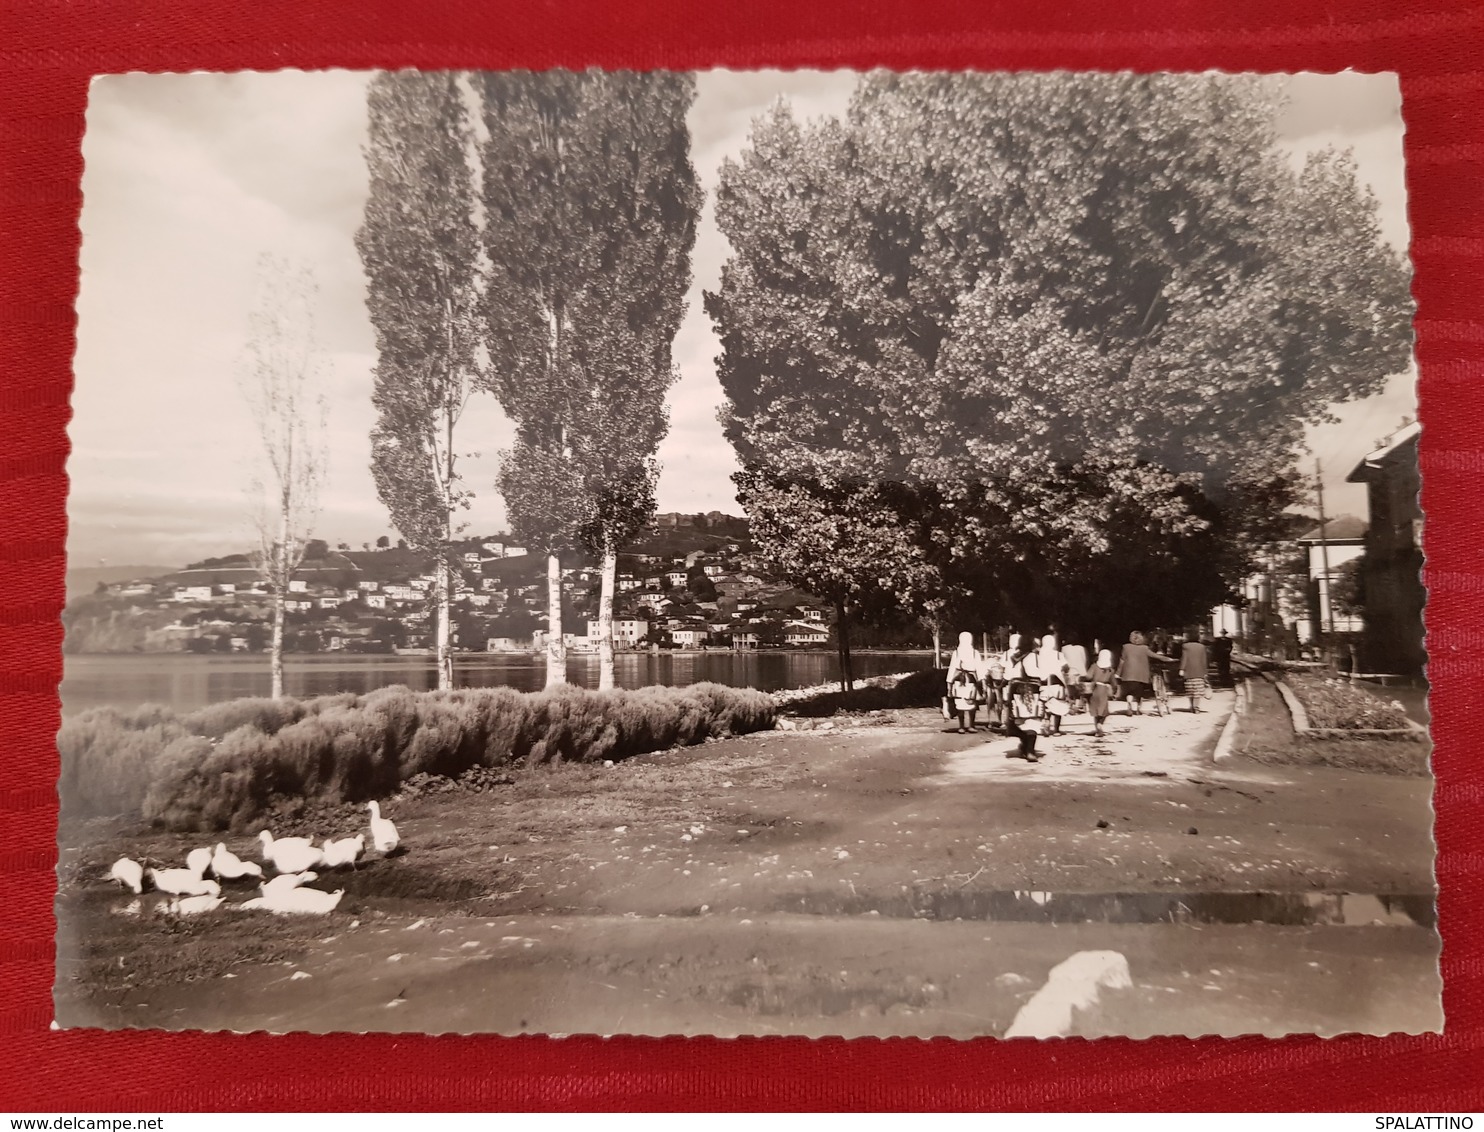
(1032,685)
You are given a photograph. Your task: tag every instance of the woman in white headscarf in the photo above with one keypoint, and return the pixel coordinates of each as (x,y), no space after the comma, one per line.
(1022,677)
(1048,658)
(1101,678)
(1011,655)
(965,682)
(1024,711)
(1052,671)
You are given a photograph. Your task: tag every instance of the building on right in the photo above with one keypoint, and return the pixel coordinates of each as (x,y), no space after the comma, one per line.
(1329,550)
(1392,594)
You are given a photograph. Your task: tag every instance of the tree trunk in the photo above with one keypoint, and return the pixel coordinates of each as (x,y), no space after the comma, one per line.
(275,662)
(937,644)
(444,631)
(280,600)
(443,643)
(605,619)
(556,647)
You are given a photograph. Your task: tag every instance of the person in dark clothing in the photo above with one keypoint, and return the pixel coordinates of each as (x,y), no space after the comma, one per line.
(1221,653)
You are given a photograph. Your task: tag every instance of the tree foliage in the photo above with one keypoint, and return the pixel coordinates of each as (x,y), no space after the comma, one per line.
(592,201)
(845,543)
(1083,319)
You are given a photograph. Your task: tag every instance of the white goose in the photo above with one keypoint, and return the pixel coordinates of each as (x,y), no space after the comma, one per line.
(301,901)
(228,866)
(129,873)
(193,905)
(283,882)
(338,854)
(198,861)
(383,832)
(183,882)
(289,854)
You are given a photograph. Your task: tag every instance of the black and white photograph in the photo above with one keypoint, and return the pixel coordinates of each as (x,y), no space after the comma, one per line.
(865,554)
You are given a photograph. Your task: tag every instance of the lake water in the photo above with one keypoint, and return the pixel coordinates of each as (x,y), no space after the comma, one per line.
(186,682)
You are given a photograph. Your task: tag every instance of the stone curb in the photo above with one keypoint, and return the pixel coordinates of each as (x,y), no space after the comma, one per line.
(1296,710)
(1228,737)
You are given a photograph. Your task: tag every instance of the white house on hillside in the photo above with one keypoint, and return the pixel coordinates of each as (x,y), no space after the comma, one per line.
(805,633)
(626,632)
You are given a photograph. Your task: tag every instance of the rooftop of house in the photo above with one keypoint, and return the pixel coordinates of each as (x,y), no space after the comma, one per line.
(1342,528)
(1394,448)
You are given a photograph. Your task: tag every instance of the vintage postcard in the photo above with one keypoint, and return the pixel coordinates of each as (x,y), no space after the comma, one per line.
(897,554)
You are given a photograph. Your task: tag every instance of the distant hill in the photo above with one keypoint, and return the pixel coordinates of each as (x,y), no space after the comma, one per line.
(672,534)
(83,580)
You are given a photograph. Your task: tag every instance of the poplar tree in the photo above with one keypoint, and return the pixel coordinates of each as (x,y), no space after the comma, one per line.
(590,202)
(419,247)
(281,383)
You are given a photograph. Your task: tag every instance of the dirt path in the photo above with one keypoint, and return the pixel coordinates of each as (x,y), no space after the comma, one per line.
(878,880)
(818,976)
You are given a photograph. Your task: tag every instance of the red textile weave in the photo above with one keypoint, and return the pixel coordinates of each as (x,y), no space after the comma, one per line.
(48,49)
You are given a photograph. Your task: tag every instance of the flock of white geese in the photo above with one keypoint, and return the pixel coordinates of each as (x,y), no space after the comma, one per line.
(292,859)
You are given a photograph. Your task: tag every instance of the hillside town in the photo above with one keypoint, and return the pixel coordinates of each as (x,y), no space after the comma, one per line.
(689,582)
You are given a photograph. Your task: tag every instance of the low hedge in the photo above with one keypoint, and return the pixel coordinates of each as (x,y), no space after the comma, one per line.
(914,690)
(225,765)
(1336,704)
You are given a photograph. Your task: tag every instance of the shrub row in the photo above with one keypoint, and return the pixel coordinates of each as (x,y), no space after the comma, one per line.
(916,689)
(227,764)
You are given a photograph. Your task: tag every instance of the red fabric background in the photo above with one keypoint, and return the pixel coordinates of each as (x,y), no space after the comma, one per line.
(48,48)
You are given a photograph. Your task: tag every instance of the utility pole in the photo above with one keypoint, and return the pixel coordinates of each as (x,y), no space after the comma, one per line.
(1326,606)
(1270,617)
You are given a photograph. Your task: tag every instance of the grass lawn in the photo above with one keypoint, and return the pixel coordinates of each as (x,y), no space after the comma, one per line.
(1265,734)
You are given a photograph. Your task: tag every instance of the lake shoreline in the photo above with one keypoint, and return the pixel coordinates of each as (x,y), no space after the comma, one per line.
(533,655)
(187,681)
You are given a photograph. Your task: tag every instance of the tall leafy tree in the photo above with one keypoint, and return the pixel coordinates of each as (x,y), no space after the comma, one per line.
(1084,318)
(281,382)
(420,249)
(590,201)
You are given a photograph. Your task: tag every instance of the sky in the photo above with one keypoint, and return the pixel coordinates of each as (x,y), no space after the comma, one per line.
(188,179)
